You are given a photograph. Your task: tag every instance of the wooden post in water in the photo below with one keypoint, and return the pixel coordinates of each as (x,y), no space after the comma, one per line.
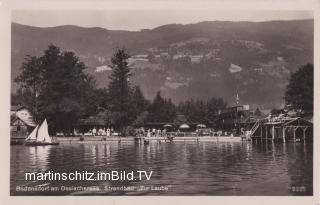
(266,133)
(261,132)
(272,132)
(294,134)
(284,134)
(304,134)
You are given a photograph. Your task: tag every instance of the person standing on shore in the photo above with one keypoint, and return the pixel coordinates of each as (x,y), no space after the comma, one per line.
(164,132)
(94,131)
(108,132)
(104,131)
(100,131)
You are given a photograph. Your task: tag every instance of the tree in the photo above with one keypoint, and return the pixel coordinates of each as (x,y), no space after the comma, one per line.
(119,89)
(31,81)
(215,105)
(95,98)
(63,91)
(23,97)
(299,91)
(200,111)
(60,89)
(187,108)
(170,111)
(156,109)
(257,112)
(276,111)
(138,102)
(161,110)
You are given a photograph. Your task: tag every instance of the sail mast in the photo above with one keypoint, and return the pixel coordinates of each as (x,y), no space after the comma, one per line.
(38,131)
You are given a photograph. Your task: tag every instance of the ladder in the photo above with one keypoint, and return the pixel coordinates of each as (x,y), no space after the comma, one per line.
(254,127)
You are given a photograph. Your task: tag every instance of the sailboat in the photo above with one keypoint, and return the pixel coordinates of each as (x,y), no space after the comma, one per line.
(40,136)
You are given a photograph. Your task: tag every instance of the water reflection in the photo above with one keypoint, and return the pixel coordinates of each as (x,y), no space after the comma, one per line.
(190,168)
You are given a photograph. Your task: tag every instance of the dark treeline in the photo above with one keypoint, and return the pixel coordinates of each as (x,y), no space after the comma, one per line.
(55,86)
(192,111)
(200,111)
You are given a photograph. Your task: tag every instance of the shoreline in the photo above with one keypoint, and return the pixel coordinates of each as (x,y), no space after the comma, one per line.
(102,140)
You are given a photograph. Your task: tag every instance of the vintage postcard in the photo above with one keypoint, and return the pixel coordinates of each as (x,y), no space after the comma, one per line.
(115,99)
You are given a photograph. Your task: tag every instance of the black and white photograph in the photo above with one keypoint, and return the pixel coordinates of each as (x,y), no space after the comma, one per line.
(151,102)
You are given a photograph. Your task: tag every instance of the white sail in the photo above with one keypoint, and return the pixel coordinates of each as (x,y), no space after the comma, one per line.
(43,135)
(33,134)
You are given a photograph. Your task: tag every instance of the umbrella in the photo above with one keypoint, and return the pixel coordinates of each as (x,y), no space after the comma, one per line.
(184,126)
(201,126)
(167,125)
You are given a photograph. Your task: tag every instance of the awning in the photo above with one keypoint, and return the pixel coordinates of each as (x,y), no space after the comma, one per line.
(201,126)
(184,126)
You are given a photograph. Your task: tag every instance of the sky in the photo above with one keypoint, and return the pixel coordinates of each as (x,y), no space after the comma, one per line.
(134,20)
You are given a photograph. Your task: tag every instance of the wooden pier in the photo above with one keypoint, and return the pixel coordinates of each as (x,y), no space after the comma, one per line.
(293,129)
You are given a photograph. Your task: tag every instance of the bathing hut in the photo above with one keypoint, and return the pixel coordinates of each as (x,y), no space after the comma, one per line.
(21,122)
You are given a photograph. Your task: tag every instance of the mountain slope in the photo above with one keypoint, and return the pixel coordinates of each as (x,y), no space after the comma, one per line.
(194,60)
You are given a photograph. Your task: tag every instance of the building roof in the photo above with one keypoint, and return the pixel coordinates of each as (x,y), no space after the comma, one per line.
(287,121)
(299,122)
(27,121)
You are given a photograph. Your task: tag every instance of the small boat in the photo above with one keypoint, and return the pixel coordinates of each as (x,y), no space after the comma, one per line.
(40,136)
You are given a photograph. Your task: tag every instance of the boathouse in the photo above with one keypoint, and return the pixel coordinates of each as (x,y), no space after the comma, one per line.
(21,122)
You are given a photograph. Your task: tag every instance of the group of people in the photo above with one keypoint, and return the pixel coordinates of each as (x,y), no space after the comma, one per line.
(102,132)
(142,132)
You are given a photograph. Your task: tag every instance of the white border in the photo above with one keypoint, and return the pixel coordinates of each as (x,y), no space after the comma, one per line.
(5,65)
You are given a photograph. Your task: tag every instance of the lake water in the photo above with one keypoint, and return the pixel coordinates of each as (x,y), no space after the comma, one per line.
(179,168)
